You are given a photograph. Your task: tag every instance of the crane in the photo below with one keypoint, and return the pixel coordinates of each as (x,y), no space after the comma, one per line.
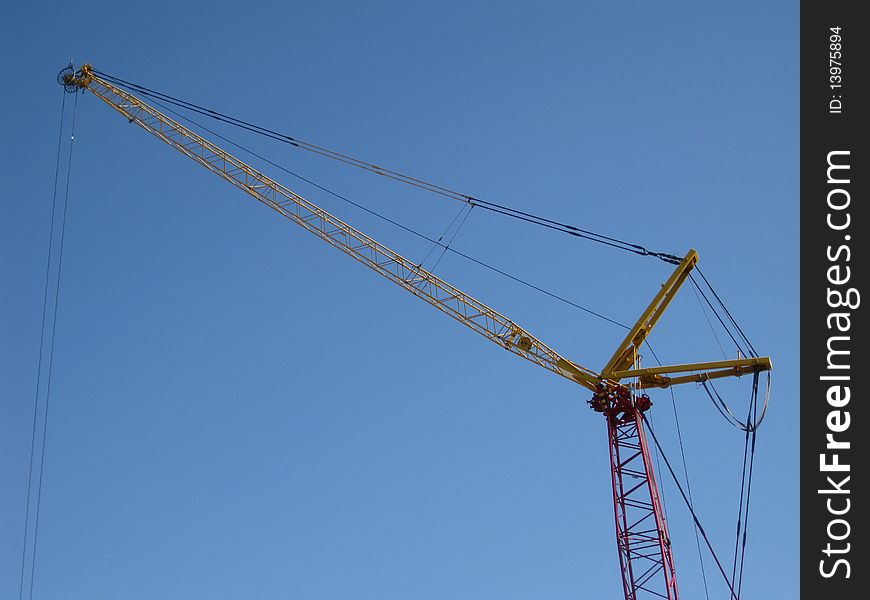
(643,543)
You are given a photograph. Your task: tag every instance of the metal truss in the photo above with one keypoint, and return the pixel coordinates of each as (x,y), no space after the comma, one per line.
(642,540)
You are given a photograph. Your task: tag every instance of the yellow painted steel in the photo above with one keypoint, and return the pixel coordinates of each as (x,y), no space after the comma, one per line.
(470,312)
(627,351)
(655,376)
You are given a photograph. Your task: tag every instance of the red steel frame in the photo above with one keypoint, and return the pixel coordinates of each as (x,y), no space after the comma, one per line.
(642,540)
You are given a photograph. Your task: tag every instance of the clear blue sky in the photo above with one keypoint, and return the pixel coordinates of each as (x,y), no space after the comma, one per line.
(239,411)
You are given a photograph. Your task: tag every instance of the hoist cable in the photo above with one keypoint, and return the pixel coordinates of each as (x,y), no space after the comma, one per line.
(726,411)
(746,514)
(53,328)
(728,313)
(709,322)
(751,416)
(741,499)
(400,225)
(750,427)
(723,408)
(685,471)
(698,525)
(397,176)
(716,313)
(41,347)
(688,488)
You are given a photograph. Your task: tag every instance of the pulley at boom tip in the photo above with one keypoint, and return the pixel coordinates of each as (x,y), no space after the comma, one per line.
(73,79)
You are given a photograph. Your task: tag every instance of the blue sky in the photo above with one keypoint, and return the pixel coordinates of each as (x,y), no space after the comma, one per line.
(238,410)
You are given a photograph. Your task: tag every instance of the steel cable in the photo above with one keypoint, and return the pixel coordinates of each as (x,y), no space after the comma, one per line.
(698,525)
(400,225)
(52,329)
(685,471)
(395,175)
(41,347)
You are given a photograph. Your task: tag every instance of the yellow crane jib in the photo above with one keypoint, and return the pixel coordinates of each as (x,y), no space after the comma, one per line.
(617,389)
(472,313)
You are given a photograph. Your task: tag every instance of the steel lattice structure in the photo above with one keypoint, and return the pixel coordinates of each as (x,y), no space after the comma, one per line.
(642,537)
